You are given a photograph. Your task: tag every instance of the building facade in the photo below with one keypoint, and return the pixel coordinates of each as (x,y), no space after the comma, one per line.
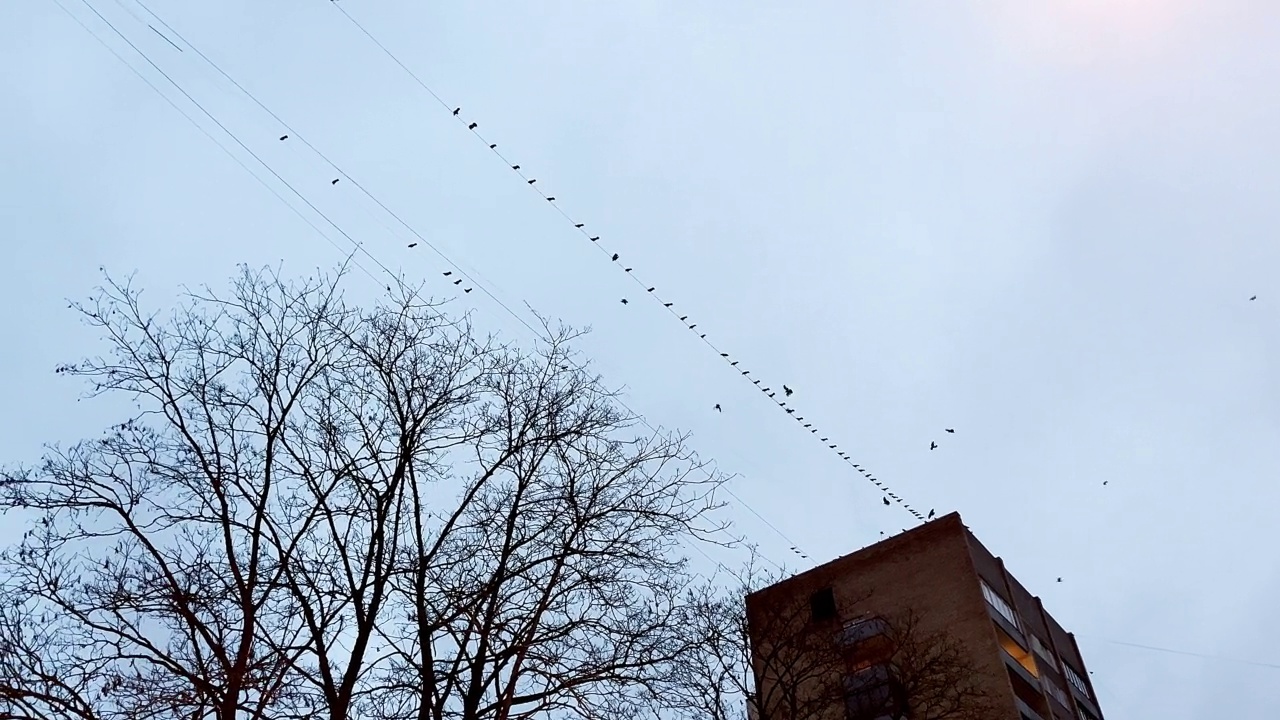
(926,624)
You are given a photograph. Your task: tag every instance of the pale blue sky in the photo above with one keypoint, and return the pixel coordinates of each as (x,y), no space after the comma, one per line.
(1038,226)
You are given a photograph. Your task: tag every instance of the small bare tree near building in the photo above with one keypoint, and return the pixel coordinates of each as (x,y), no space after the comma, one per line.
(323,511)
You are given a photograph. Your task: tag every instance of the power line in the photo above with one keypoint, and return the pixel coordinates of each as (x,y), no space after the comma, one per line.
(1188,653)
(650,290)
(359,246)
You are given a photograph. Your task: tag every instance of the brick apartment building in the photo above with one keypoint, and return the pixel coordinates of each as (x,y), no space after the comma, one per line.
(1027,666)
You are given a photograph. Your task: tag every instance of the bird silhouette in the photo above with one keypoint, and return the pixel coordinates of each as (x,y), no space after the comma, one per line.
(718,408)
(284,137)
(886,501)
(413,245)
(579,225)
(787,390)
(458,281)
(552,198)
(595,238)
(457,110)
(627,269)
(1059,579)
(515,167)
(533,180)
(615,257)
(335,181)
(466,290)
(1104,482)
(651,289)
(933,446)
(493,146)
(951,430)
(624,301)
(1255,297)
(667,304)
(931,514)
(472,126)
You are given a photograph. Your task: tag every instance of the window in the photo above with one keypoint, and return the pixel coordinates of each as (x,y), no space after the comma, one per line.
(999,604)
(1085,714)
(1055,692)
(823,605)
(1043,651)
(1074,678)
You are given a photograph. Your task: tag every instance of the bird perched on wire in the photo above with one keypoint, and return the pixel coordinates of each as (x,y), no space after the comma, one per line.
(615,257)
(456,111)
(787,390)
(472,126)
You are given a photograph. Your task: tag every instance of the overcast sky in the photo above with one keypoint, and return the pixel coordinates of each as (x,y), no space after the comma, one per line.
(1040,227)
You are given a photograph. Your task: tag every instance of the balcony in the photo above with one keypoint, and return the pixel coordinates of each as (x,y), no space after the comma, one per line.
(873,694)
(859,631)
(1026,710)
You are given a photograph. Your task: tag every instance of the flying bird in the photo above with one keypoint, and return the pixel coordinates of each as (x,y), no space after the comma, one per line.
(472,126)
(886,501)
(787,390)
(466,290)
(457,110)
(447,273)
(458,281)
(1255,297)
(931,514)
(624,301)
(1104,482)
(284,137)
(718,408)
(413,245)
(335,181)
(950,430)
(933,446)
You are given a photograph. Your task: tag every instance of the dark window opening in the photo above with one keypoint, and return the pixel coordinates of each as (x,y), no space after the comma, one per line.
(823,604)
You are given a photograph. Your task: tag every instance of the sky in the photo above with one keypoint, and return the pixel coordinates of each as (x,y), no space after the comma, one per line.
(1037,224)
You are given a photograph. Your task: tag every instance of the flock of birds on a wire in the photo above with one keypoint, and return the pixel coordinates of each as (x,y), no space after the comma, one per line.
(888,497)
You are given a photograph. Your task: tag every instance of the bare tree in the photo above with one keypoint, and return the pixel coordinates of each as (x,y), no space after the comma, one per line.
(780,664)
(326,511)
